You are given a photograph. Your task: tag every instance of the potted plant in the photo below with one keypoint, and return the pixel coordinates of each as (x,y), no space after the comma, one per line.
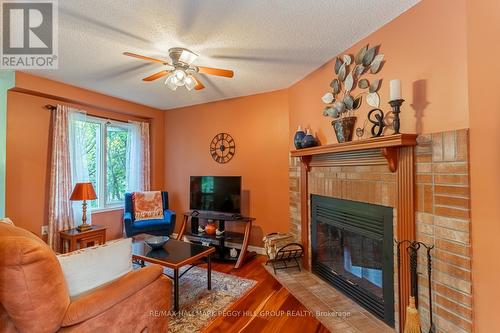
(340,100)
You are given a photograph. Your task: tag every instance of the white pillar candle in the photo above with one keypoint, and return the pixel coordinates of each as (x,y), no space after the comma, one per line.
(395,89)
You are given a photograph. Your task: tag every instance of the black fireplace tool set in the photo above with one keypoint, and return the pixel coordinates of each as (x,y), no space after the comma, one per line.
(412,248)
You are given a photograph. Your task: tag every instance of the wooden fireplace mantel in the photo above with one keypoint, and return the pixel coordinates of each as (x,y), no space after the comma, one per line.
(397,151)
(355,152)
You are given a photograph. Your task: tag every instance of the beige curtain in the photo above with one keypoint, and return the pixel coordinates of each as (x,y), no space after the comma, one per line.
(138,158)
(146,158)
(60,211)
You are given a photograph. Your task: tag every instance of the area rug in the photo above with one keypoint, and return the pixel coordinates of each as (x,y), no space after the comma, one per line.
(199,306)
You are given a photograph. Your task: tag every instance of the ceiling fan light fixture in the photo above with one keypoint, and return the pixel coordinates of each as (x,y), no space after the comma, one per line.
(179,71)
(187,57)
(171,82)
(179,77)
(189,82)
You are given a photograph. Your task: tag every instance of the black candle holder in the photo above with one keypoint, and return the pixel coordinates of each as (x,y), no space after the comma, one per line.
(396,109)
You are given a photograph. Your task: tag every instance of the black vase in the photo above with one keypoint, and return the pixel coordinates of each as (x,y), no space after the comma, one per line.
(299,136)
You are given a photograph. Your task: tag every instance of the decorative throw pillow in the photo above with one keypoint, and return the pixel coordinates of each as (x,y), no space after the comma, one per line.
(92,267)
(147,205)
(6,220)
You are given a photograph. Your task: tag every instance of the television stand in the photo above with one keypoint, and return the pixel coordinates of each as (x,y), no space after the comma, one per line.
(220,242)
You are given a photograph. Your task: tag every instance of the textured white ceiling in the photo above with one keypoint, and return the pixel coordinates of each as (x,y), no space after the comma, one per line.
(270,44)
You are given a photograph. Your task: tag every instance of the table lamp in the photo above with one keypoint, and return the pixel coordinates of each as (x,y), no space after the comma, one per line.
(83,191)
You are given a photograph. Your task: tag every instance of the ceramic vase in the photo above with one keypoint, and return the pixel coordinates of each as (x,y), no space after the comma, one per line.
(344,128)
(309,140)
(299,136)
(210,228)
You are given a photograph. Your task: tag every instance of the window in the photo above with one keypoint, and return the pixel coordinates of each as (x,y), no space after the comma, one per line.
(116,164)
(104,144)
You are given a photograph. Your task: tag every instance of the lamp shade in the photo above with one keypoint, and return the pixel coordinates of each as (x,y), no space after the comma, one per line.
(83,191)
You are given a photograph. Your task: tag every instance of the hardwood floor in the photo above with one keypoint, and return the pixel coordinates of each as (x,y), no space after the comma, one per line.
(264,308)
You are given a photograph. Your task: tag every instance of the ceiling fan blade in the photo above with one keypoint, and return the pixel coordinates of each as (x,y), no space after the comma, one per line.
(215,71)
(156,76)
(138,56)
(198,85)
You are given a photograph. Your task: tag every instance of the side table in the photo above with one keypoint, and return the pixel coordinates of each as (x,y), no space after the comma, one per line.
(75,239)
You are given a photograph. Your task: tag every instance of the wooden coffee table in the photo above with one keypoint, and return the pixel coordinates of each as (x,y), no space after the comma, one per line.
(174,254)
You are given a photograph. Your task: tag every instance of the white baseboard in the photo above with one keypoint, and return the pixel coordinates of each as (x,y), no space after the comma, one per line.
(257,249)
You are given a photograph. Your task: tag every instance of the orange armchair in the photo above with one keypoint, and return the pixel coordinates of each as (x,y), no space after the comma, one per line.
(34,296)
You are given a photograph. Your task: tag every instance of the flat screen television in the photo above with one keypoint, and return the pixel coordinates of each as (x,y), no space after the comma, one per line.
(215,194)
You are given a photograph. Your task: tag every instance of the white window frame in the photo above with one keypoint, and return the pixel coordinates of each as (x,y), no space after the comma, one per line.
(102,166)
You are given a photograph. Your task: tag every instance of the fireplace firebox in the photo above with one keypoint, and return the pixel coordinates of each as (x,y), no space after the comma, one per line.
(352,249)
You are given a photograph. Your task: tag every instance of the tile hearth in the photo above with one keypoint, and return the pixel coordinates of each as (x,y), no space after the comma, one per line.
(317,295)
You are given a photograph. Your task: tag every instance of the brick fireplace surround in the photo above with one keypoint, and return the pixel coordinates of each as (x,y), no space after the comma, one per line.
(442,217)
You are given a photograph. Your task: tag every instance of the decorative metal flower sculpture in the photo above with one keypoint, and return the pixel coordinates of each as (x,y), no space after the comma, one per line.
(340,101)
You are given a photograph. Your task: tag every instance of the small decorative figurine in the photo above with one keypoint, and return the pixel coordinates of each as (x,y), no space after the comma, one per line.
(378,122)
(200,229)
(360,131)
(218,232)
(233,253)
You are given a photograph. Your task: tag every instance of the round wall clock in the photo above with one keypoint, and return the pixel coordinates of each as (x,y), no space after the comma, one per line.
(222,148)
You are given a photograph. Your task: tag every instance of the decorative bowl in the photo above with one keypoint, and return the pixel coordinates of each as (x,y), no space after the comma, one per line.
(157,242)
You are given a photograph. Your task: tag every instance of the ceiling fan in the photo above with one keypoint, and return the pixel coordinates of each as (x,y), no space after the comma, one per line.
(181,72)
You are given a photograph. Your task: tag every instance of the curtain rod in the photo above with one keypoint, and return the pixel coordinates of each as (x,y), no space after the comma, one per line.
(78,103)
(52,107)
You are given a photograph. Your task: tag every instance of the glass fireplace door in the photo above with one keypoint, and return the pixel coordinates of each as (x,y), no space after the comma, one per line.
(352,249)
(356,258)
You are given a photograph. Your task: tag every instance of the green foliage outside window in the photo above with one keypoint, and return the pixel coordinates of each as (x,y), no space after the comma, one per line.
(91,133)
(116,177)
(115,155)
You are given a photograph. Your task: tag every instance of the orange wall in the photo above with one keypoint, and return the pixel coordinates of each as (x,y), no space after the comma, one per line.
(434,76)
(28,145)
(259,125)
(484,101)
(425,47)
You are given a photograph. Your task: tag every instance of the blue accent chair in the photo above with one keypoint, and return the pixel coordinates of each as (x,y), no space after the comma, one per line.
(158,227)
